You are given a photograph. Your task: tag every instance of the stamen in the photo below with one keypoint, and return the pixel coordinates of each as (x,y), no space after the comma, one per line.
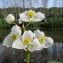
(31,14)
(42,39)
(14,36)
(27,41)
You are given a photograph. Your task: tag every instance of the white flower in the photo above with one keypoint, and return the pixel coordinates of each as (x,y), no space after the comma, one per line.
(30,15)
(14,34)
(45,41)
(10,19)
(27,42)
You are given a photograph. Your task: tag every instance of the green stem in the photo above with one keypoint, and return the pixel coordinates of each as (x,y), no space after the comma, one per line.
(28,57)
(23,27)
(28,24)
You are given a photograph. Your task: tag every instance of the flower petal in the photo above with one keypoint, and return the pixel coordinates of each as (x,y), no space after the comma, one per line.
(8,41)
(18,44)
(16,30)
(28,34)
(42,45)
(23,17)
(20,21)
(38,33)
(48,42)
(38,17)
(35,45)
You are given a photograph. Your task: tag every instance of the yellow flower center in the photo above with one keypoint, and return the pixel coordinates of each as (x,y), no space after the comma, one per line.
(31,14)
(14,36)
(42,39)
(27,41)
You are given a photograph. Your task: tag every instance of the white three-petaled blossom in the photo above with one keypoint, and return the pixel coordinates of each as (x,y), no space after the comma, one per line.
(30,15)
(45,41)
(10,19)
(27,41)
(14,34)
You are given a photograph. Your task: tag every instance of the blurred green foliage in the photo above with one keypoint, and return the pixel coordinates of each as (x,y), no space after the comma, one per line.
(54,62)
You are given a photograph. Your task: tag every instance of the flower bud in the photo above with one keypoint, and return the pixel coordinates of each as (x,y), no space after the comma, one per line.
(10,19)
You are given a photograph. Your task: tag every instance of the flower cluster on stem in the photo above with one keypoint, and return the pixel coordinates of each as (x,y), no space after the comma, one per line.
(27,40)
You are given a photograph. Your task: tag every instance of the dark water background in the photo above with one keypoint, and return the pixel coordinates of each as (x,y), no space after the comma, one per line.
(54,52)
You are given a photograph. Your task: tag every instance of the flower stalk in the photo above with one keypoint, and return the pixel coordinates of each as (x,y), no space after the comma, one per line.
(28,24)
(28,57)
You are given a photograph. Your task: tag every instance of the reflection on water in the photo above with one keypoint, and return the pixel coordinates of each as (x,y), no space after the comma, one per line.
(54,52)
